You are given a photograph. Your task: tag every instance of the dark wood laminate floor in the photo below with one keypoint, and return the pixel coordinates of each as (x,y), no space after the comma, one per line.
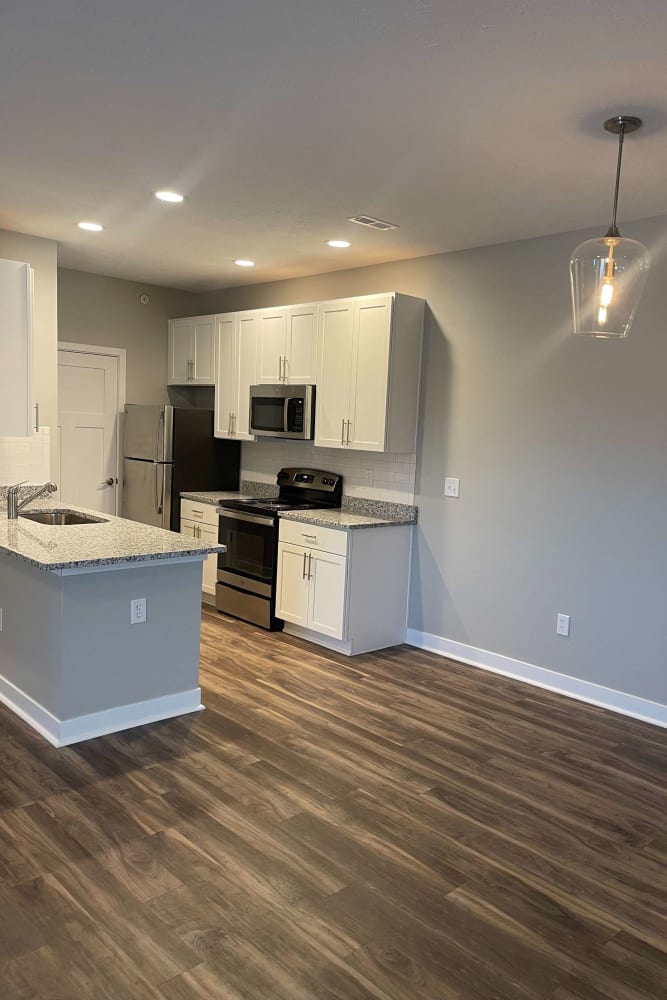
(388,827)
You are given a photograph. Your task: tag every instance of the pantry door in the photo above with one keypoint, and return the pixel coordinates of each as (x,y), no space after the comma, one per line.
(91,395)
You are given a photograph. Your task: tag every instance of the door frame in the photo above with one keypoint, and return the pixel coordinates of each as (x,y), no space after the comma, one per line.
(107,352)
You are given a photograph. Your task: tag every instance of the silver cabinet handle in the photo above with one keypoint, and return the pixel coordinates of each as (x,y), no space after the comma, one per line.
(229,424)
(37,418)
(306,535)
(303,574)
(342,431)
(191,369)
(349,426)
(233,423)
(310,559)
(285,368)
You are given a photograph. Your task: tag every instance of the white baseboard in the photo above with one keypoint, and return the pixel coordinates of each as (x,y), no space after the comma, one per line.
(64,732)
(595,694)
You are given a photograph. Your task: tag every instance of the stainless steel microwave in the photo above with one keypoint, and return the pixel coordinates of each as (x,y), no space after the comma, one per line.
(285,411)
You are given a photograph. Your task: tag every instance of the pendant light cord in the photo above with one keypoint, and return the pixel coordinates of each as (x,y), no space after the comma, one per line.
(613,229)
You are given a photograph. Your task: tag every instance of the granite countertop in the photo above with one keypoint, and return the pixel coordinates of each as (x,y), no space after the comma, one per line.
(345,520)
(81,546)
(215,498)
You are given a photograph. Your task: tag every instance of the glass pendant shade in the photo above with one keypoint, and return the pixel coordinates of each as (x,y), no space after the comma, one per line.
(607,276)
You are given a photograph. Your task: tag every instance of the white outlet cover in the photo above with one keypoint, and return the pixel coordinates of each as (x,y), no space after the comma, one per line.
(563,625)
(452,487)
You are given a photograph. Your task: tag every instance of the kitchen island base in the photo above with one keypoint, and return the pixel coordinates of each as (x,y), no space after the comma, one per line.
(72,665)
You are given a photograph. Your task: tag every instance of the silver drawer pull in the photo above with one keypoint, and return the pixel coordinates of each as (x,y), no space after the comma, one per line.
(304,535)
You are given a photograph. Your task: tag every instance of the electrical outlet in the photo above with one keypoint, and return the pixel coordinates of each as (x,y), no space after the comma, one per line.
(452,487)
(563,625)
(138,611)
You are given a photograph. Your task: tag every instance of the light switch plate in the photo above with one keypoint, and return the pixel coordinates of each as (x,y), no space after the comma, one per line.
(452,487)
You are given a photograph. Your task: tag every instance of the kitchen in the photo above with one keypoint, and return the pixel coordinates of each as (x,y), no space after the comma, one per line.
(357,824)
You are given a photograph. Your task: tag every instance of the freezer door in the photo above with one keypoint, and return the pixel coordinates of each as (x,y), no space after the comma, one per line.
(147,492)
(148,432)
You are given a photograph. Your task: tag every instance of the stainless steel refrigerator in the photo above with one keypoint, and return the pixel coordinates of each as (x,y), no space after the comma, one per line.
(168,450)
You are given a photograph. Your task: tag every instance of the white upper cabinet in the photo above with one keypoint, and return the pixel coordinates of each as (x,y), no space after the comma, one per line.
(192,351)
(334,376)
(236,371)
(17,408)
(271,345)
(369,352)
(287,345)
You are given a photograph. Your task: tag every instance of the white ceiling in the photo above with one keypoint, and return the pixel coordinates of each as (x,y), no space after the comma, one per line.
(466,122)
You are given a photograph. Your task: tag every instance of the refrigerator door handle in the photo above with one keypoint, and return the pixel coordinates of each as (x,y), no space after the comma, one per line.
(159,436)
(158,473)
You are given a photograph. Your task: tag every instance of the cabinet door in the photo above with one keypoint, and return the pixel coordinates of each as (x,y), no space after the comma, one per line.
(326,606)
(370,374)
(196,531)
(246,374)
(16,410)
(202,369)
(180,351)
(292,584)
(271,340)
(225,374)
(335,329)
(210,576)
(301,347)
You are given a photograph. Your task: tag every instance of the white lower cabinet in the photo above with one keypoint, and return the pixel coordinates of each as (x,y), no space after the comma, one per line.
(200,521)
(311,589)
(344,589)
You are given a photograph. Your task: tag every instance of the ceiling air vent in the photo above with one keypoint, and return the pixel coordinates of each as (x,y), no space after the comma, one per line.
(371,223)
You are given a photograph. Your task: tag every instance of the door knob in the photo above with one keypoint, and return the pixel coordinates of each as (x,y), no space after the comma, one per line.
(109,481)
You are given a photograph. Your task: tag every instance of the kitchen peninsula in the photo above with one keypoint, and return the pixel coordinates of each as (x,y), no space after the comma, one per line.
(72,663)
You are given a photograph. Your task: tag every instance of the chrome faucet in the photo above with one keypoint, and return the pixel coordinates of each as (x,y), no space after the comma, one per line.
(13,505)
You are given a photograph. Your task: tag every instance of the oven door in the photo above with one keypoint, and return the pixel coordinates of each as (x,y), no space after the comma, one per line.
(250,560)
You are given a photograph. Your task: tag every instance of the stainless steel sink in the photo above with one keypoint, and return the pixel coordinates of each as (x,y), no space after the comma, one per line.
(61,517)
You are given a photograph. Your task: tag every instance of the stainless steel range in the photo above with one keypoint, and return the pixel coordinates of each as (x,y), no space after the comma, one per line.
(246,585)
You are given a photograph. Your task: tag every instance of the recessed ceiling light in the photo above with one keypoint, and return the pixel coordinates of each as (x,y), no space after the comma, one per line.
(172,196)
(244,263)
(338,244)
(91,227)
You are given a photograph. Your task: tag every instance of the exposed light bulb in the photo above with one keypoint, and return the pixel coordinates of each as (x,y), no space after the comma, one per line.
(607,293)
(602,315)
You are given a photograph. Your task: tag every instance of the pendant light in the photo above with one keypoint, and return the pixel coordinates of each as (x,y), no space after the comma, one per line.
(608,273)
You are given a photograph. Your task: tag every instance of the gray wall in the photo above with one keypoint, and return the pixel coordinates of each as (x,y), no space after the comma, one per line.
(94,309)
(561,447)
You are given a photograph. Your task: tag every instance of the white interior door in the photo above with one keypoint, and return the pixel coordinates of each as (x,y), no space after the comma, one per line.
(87,443)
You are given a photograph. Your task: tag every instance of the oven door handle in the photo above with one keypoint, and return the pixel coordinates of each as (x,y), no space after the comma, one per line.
(232,515)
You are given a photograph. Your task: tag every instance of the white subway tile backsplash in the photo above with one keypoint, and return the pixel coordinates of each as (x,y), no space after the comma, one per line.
(25,458)
(365,474)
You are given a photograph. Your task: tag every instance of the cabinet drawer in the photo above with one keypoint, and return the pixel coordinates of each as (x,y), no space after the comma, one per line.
(203,513)
(312,536)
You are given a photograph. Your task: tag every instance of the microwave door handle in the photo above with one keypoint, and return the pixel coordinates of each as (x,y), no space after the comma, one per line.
(286,415)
